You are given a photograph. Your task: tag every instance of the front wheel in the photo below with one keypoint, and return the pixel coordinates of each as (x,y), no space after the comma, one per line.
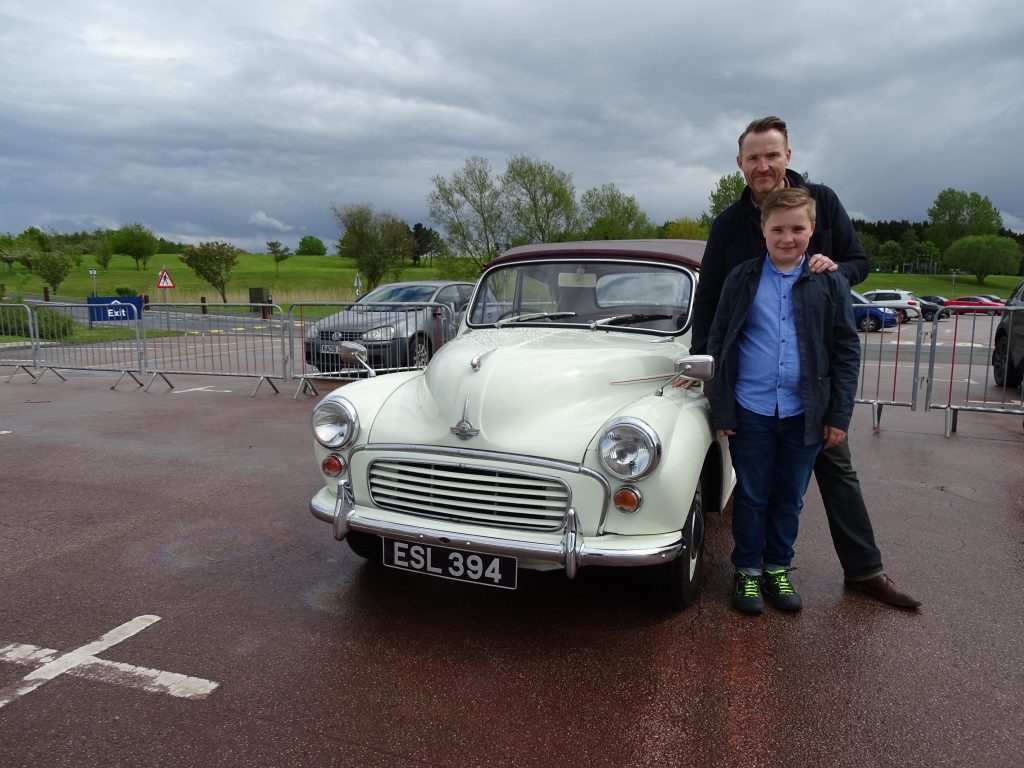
(678,582)
(419,352)
(869,323)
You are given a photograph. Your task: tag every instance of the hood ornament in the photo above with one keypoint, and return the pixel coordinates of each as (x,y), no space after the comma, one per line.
(465,429)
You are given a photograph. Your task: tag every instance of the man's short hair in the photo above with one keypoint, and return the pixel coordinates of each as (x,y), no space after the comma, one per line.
(763,125)
(786,199)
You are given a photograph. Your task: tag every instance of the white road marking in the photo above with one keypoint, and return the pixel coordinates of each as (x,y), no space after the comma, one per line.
(198,389)
(83,662)
(6,432)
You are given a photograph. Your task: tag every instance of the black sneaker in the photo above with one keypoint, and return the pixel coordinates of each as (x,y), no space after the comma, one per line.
(779,589)
(746,593)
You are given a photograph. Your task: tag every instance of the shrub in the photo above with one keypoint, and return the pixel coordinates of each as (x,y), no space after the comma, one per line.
(53,325)
(125,291)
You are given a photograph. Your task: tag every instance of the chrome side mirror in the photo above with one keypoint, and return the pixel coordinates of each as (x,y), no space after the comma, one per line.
(697,367)
(351,353)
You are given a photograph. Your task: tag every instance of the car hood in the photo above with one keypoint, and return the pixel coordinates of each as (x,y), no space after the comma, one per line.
(358,320)
(526,391)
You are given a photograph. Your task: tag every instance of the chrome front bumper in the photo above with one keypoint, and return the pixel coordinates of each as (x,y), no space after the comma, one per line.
(571,551)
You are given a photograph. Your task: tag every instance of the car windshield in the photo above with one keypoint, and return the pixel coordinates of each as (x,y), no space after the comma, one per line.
(624,295)
(416,294)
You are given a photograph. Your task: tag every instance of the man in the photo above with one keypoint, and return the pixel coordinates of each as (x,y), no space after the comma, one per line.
(735,237)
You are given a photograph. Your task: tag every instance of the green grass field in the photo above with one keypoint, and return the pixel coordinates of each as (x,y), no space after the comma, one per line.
(330,278)
(301,279)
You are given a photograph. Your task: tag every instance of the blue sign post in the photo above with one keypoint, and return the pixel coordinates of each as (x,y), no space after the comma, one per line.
(114,308)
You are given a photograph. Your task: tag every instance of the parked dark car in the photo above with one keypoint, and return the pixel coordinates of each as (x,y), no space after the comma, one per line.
(1008,351)
(872,318)
(390,321)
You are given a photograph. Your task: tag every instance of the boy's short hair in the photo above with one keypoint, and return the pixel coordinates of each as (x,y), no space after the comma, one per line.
(763,125)
(787,198)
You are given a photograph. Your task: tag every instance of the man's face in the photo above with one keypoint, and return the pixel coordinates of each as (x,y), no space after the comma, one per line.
(763,159)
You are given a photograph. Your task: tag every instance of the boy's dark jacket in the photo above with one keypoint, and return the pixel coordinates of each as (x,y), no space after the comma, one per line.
(827,342)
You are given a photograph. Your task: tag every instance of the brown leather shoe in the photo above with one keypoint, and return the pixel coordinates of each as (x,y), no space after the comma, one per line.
(882,588)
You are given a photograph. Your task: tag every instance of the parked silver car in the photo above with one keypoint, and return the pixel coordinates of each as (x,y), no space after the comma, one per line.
(400,324)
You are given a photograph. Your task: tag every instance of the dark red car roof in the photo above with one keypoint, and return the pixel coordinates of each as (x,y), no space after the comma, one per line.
(685,252)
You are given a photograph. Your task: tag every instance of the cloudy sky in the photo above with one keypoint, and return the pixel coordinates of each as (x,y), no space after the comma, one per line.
(244,121)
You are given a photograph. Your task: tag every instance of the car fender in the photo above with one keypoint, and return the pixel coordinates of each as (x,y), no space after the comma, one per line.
(682,420)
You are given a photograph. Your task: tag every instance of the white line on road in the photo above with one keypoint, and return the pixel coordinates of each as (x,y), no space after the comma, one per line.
(83,662)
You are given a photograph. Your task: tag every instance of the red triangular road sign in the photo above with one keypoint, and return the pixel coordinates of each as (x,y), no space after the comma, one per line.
(165,280)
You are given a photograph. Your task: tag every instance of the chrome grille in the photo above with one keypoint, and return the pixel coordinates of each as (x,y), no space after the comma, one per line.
(473,495)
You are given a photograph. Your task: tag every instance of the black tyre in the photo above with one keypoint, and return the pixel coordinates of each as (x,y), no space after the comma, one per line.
(929,315)
(869,323)
(366,545)
(419,352)
(1004,372)
(678,582)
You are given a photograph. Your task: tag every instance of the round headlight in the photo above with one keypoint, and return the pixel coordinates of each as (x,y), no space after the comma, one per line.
(384,333)
(629,449)
(335,423)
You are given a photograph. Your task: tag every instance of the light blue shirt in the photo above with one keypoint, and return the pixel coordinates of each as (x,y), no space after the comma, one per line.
(769,361)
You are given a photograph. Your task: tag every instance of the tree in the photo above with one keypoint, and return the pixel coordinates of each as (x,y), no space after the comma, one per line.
(311,245)
(136,241)
(984,255)
(608,214)
(725,193)
(102,251)
(684,229)
(53,267)
(378,243)
(212,262)
(468,207)
(890,253)
(279,252)
(426,242)
(956,214)
(539,200)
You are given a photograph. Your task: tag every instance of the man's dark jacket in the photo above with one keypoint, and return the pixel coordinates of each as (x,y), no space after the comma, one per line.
(827,343)
(736,237)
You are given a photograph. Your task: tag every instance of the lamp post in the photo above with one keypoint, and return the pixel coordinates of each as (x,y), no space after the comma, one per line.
(954,273)
(92,274)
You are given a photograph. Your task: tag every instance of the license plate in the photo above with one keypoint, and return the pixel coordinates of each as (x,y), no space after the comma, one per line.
(455,564)
(328,349)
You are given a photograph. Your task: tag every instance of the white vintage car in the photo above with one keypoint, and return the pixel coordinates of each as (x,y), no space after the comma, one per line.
(545,435)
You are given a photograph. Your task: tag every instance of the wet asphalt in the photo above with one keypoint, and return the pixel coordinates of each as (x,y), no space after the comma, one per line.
(191,505)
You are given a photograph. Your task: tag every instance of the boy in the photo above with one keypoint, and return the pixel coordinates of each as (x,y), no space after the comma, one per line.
(787,356)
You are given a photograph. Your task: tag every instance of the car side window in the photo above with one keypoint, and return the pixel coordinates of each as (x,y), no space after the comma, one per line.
(449,295)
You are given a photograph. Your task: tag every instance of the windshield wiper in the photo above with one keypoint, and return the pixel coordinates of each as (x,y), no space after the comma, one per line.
(532,316)
(635,317)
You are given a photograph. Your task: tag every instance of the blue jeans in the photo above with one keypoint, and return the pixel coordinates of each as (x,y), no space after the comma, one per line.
(773,469)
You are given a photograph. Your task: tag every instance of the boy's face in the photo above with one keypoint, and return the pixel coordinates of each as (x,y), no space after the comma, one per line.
(786,233)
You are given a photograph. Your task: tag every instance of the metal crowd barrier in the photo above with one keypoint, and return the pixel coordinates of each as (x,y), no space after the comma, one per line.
(398,336)
(215,340)
(950,359)
(890,365)
(21,350)
(960,368)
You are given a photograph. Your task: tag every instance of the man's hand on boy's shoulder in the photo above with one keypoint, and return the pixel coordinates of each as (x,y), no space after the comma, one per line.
(819,262)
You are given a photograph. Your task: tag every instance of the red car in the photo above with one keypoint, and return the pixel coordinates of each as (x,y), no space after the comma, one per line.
(976,304)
